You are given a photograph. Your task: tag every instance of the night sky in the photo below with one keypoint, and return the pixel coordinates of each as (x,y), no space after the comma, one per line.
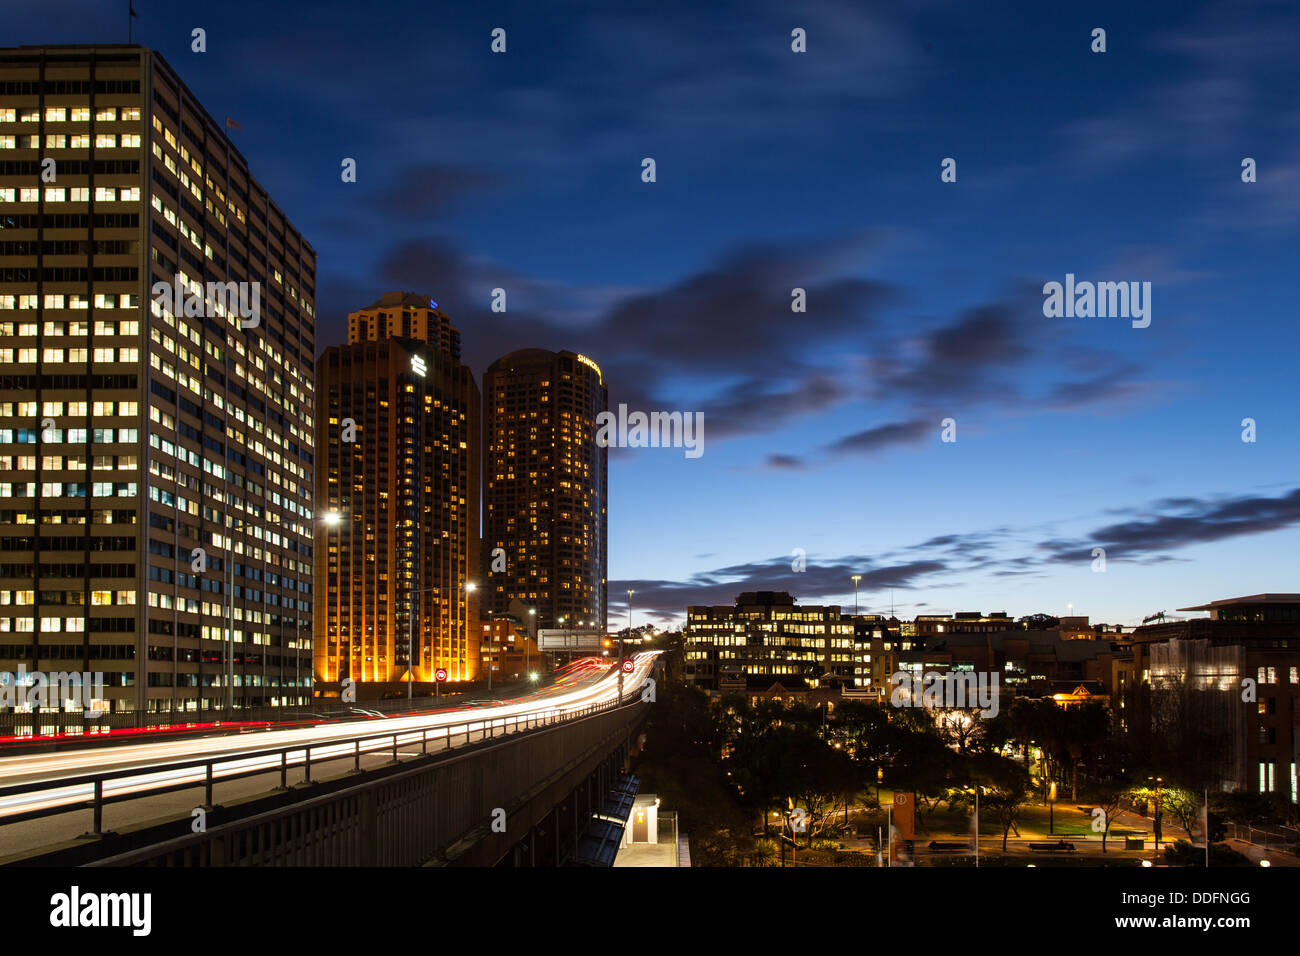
(821,170)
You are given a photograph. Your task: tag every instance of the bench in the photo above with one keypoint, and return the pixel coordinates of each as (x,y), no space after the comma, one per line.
(948,845)
(1053,847)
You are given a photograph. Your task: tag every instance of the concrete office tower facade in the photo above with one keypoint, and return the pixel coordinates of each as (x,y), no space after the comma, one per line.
(399,462)
(545,535)
(155,447)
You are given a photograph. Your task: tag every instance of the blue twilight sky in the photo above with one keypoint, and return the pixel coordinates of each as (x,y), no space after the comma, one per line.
(821,170)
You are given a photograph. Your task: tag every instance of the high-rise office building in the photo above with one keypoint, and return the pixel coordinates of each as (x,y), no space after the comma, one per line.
(399,463)
(156,406)
(545,534)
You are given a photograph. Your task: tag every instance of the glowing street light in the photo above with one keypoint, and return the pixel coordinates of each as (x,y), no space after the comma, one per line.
(469,589)
(630,592)
(532,634)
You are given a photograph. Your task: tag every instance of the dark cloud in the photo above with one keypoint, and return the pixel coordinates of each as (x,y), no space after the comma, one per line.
(819,580)
(885,436)
(959,359)
(738,313)
(757,405)
(1143,541)
(785,462)
(1200,521)
(677,348)
(1118,385)
(982,359)
(431,190)
(724,341)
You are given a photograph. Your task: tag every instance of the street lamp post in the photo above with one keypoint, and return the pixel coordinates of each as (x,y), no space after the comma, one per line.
(331,519)
(491,638)
(889,832)
(1155,822)
(231,524)
(528,647)
(856,579)
(630,592)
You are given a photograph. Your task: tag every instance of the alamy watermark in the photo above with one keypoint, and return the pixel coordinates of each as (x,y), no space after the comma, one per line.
(1104,300)
(53,689)
(653,430)
(956,690)
(242,299)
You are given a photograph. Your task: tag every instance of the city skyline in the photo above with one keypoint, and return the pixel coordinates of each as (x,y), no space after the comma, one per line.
(850,435)
(924,298)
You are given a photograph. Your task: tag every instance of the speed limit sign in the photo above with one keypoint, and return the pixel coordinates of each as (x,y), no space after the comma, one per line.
(628,666)
(440,673)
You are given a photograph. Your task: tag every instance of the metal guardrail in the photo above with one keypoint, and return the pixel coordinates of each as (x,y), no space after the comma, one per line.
(410,818)
(293,755)
(1287,840)
(54,726)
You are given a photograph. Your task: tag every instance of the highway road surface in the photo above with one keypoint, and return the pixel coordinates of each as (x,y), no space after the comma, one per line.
(592,682)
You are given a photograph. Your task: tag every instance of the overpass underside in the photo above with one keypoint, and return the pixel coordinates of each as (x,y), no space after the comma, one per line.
(527,799)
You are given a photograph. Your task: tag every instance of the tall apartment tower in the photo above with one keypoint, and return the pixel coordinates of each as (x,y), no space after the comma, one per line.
(157,399)
(545,536)
(399,463)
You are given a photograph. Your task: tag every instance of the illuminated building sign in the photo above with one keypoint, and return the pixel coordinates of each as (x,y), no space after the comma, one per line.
(418,366)
(588,362)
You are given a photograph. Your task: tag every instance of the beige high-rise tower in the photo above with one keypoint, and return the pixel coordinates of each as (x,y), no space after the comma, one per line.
(399,461)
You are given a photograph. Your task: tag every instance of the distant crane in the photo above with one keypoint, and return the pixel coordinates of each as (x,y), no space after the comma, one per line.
(1158,616)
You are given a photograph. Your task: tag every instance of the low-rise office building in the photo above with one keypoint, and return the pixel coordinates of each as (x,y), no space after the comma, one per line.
(1223,690)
